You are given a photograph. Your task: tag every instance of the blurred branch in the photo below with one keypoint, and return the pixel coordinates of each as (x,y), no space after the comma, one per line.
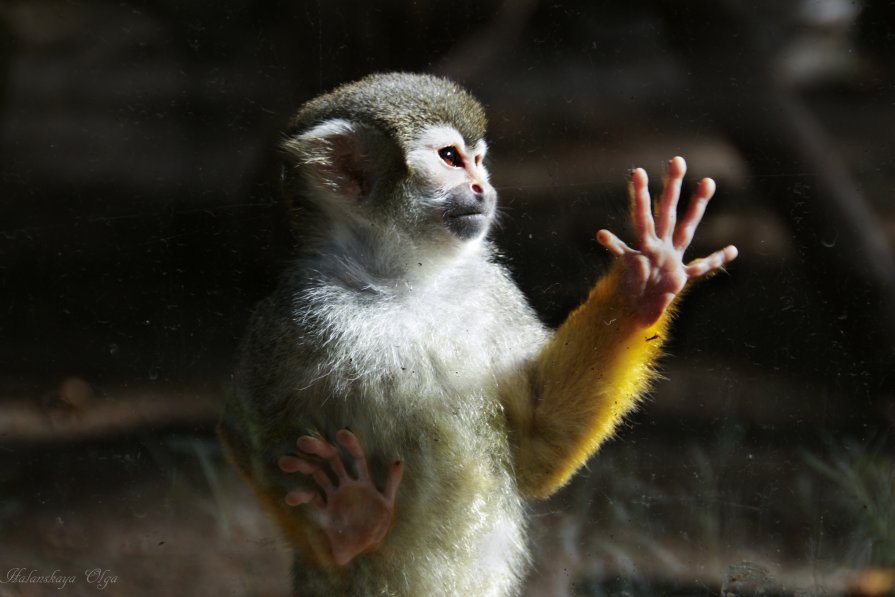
(55,420)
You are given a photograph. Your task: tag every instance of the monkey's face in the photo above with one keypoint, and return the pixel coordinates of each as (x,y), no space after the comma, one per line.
(455,187)
(432,190)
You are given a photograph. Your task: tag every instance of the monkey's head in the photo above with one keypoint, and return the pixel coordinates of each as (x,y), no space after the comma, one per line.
(396,155)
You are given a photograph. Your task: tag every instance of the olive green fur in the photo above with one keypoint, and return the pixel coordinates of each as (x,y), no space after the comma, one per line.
(398,104)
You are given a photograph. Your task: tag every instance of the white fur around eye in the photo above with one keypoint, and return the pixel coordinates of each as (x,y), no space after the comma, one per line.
(423,156)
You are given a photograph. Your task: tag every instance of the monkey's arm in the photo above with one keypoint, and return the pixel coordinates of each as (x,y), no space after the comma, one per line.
(600,361)
(337,518)
(353,514)
(239,449)
(236,432)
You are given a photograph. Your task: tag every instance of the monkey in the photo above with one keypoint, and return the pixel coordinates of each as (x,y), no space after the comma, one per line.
(397,402)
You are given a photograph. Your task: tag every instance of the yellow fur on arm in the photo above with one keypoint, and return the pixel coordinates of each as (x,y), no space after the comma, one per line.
(586,379)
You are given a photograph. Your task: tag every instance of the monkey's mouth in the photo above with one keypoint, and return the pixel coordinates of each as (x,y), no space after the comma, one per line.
(468,216)
(466,223)
(471,212)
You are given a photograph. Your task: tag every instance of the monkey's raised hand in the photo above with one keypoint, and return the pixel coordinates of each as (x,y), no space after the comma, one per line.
(655,273)
(354,514)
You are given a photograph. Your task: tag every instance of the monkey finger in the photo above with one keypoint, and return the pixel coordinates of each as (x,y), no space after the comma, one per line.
(613,244)
(641,209)
(297,497)
(666,210)
(684,232)
(352,445)
(295,464)
(325,450)
(395,474)
(323,481)
(316,446)
(700,267)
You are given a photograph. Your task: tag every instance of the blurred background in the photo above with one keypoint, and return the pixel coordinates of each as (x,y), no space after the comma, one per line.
(139,222)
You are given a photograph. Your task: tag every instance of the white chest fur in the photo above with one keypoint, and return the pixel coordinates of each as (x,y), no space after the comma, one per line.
(441,339)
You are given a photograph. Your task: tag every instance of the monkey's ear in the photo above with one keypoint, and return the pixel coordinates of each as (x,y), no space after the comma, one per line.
(338,156)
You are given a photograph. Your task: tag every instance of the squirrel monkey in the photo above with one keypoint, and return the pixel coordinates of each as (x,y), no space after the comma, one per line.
(397,400)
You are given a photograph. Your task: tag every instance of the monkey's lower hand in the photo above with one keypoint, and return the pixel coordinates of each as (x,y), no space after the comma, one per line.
(355,516)
(655,274)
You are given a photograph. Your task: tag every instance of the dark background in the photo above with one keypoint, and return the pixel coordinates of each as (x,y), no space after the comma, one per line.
(139,222)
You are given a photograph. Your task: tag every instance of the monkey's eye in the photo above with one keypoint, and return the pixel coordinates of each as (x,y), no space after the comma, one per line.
(451,156)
